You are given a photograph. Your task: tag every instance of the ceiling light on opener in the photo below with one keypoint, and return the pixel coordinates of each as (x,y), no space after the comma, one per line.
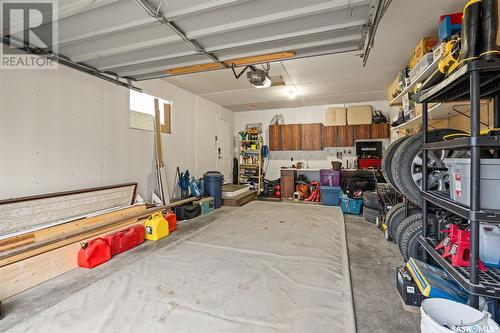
(292,92)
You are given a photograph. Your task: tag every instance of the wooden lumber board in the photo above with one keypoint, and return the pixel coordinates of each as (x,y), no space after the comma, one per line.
(240,200)
(260,58)
(17,254)
(75,226)
(30,250)
(31,212)
(256,59)
(16,241)
(27,273)
(61,230)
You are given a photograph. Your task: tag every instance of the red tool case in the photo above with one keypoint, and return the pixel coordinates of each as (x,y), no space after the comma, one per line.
(124,240)
(369,163)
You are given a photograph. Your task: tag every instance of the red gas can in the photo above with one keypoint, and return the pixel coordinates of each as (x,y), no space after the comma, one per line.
(94,253)
(172,221)
(124,240)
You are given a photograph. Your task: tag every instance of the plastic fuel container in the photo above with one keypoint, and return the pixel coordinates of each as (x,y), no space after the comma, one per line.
(156,227)
(93,253)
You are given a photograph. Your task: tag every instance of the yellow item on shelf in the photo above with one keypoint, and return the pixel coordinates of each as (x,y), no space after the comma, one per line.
(156,227)
(484,132)
(449,60)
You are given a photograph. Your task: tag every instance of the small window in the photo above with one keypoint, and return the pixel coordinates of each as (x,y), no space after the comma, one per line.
(143,110)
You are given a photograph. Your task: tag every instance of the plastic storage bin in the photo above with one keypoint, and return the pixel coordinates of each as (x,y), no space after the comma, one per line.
(330,195)
(489,244)
(459,173)
(329,177)
(156,227)
(351,206)
(213,181)
(206,204)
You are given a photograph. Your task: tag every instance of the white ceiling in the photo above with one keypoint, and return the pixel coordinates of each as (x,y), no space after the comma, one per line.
(335,78)
(144,39)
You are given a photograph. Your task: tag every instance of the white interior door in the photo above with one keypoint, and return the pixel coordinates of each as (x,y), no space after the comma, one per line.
(225,150)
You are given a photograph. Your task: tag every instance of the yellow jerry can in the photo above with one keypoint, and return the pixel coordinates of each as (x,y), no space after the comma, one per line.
(156,227)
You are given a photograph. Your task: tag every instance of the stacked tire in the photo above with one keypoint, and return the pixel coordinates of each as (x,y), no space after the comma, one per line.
(402,169)
(402,164)
(371,206)
(394,217)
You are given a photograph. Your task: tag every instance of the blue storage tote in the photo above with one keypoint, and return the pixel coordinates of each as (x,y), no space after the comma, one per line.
(330,195)
(351,206)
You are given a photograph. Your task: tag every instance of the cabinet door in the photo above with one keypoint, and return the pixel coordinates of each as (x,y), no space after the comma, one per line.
(380,131)
(330,136)
(362,132)
(311,137)
(287,183)
(290,137)
(345,136)
(274,137)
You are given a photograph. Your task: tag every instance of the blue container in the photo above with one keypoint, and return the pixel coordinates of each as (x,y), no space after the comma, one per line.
(213,181)
(330,195)
(207,205)
(351,206)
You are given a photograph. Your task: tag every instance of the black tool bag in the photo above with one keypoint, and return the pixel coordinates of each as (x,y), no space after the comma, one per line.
(357,184)
(187,212)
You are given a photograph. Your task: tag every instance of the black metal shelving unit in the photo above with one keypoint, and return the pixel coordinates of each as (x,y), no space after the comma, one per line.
(473,81)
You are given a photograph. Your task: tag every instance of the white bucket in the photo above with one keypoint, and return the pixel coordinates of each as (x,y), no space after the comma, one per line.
(444,316)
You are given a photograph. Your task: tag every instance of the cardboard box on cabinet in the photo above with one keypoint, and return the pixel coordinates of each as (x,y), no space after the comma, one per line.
(359,115)
(336,116)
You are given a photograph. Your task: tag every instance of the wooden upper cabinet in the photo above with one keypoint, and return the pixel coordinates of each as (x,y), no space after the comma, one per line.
(362,132)
(317,136)
(290,136)
(274,137)
(380,131)
(345,136)
(311,136)
(330,134)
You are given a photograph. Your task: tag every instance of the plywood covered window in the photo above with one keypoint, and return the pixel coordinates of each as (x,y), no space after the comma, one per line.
(144,108)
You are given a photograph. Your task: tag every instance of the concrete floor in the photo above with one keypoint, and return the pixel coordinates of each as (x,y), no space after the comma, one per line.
(372,261)
(372,264)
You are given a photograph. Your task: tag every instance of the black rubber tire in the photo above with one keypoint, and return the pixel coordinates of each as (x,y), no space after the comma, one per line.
(390,213)
(402,162)
(387,161)
(409,244)
(370,215)
(397,218)
(405,224)
(371,200)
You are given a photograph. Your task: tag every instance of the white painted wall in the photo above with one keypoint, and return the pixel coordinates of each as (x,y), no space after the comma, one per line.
(65,130)
(301,115)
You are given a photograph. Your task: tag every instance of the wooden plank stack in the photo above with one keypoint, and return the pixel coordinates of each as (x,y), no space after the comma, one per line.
(33,257)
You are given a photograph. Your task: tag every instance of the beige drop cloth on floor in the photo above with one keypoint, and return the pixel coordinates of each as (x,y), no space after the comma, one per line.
(265,267)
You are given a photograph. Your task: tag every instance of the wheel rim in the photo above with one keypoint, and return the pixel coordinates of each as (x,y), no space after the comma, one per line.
(438,179)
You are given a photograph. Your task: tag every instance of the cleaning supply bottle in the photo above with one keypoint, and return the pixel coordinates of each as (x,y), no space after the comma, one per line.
(156,227)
